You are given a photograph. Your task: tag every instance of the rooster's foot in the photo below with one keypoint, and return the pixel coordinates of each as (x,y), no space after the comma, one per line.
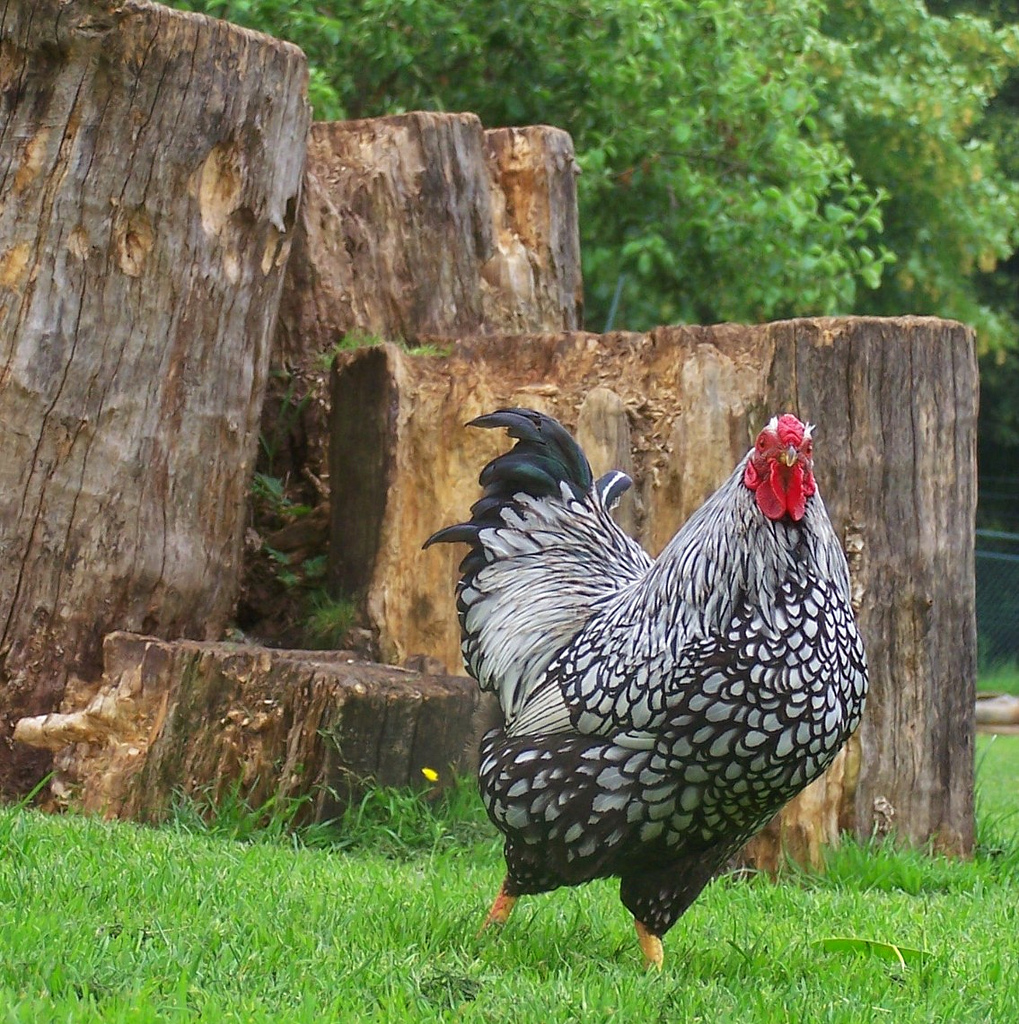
(500,909)
(650,946)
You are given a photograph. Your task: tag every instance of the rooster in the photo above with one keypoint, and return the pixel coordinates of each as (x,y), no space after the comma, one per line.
(657,713)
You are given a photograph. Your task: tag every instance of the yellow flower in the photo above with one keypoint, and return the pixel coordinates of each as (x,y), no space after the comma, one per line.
(430,774)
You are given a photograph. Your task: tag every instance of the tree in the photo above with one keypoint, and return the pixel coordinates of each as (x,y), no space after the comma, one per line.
(695,133)
(998,436)
(909,105)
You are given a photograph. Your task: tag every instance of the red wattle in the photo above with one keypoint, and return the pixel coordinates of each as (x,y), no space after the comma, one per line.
(783,492)
(768,500)
(780,490)
(796,494)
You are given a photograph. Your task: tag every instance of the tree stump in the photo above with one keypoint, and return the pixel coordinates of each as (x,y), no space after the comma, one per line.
(895,404)
(425,224)
(414,226)
(411,228)
(152,164)
(212,719)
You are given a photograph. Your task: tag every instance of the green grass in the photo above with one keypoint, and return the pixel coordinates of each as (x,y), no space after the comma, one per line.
(115,922)
(1001,678)
(997,787)
(360,339)
(328,620)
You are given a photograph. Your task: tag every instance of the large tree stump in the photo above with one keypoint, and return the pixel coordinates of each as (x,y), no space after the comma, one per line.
(426,224)
(895,404)
(210,719)
(413,226)
(152,167)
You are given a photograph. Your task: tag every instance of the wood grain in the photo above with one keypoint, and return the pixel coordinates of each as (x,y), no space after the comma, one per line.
(217,720)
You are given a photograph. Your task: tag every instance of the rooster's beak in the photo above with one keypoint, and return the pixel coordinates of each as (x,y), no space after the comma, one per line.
(789,456)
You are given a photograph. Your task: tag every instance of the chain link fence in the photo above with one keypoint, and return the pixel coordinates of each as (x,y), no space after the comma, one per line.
(997,566)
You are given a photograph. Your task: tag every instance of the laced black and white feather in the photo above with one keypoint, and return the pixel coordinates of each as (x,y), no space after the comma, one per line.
(577,629)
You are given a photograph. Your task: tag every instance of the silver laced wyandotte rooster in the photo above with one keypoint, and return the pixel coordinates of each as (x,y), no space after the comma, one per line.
(657,713)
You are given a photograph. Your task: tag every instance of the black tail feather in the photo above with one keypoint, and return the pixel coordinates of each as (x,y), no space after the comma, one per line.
(542,551)
(544,449)
(467,532)
(544,458)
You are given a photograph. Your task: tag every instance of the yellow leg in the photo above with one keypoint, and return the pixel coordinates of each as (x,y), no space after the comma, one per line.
(500,909)
(650,946)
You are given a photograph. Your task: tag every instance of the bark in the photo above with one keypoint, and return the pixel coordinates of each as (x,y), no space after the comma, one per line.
(901,405)
(895,404)
(603,431)
(213,719)
(151,171)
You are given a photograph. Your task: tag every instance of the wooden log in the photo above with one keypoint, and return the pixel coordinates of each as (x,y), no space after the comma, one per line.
(895,404)
(412,227)
(152,167)
(996,709)
(425,224)
(899,397)
(603,431)
(531,281)
(212,719)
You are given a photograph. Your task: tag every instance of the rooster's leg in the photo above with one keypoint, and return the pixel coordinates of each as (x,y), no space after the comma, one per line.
(500,909)
(650,946)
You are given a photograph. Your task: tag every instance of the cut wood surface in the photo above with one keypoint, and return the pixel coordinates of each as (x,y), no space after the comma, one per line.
(214,719)
(895,405)
(151,164)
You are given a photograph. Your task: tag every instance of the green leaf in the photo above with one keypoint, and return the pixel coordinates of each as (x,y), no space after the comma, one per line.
(902,956)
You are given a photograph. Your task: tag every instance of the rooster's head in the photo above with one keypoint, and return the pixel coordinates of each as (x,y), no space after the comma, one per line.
(780,470)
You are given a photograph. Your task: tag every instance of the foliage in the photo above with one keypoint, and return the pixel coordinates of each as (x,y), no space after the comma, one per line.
(289,585)
(741,159)
(391,822)
(1002,677)
(909,109)
(291,407)
(998,430)
(271,501)
(712,194)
